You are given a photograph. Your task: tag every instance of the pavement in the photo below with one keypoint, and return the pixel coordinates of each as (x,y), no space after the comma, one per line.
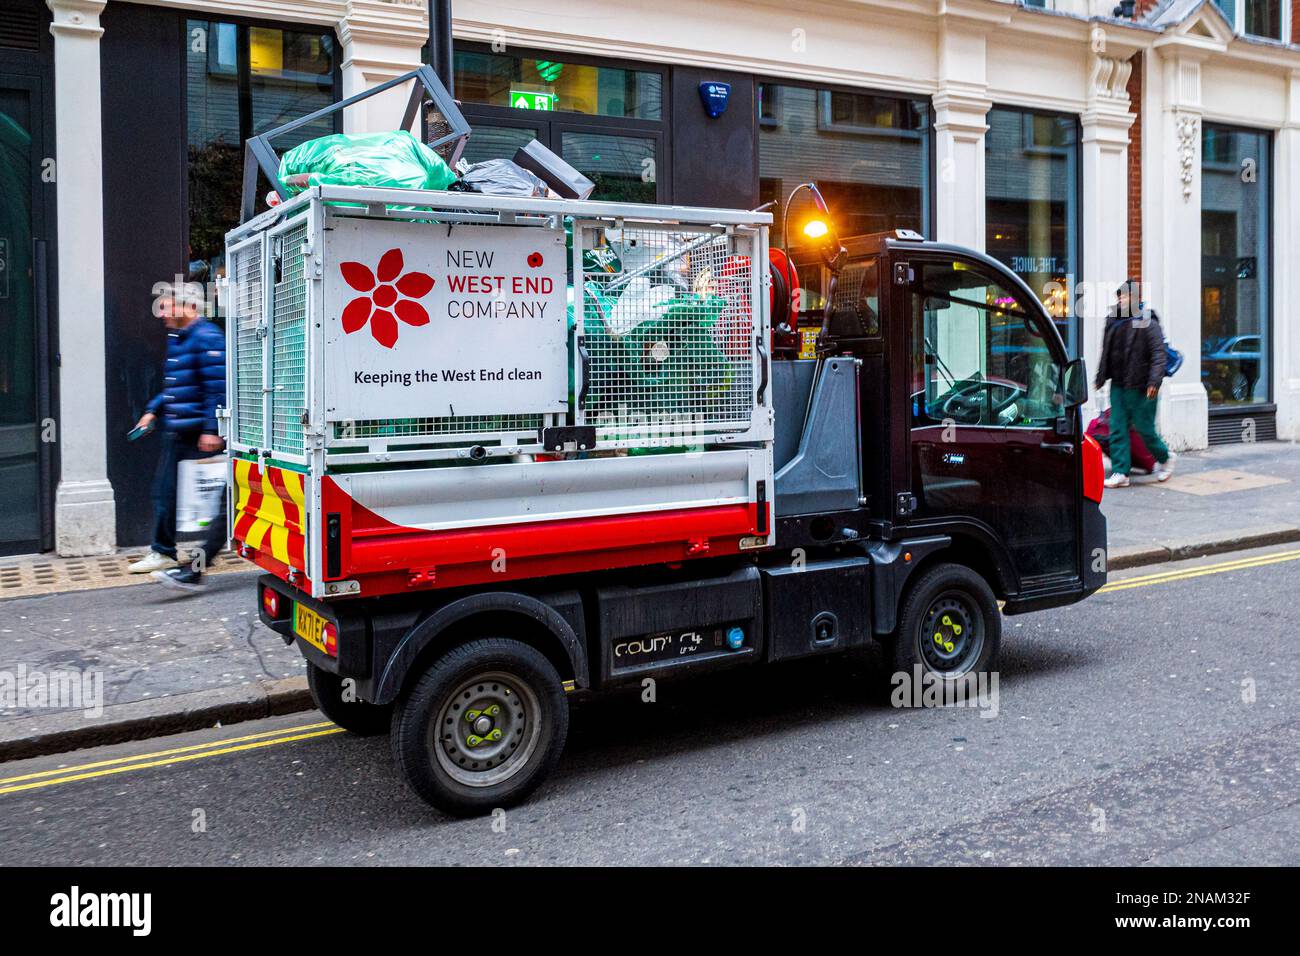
(1222,499)
(1154,724)
(152,662)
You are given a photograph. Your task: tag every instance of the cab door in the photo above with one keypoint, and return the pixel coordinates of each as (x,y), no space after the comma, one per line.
(986,452)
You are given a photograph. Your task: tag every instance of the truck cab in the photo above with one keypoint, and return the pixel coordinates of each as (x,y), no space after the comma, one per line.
(969,426)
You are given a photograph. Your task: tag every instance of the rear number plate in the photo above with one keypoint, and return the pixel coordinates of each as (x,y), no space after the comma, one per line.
(310,626)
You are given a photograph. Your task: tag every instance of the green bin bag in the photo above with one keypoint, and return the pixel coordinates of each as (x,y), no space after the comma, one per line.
(396,160)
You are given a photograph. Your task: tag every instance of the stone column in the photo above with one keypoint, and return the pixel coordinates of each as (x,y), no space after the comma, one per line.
(1104,208)
(961,107)
(381,40)
(1286,268)
(959,128)
(84,511)
(1172,258)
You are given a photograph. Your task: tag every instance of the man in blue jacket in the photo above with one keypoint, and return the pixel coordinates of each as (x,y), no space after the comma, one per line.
(194,385)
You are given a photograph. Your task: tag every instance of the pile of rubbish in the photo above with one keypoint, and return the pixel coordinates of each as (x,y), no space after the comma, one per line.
(398,160)
(659,332)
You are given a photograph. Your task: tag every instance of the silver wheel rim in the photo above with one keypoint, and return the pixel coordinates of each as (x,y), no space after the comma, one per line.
(487,729)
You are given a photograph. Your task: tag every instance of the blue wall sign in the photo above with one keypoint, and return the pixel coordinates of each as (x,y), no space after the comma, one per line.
(714,97)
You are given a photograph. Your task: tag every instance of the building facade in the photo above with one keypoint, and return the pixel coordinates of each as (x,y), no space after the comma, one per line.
(1078,146)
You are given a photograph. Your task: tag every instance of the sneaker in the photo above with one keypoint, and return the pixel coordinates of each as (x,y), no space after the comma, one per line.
(153,561)
(1166,467)
(1114,481)
(180,579)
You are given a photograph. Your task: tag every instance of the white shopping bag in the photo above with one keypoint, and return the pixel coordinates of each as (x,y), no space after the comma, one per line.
(200,486)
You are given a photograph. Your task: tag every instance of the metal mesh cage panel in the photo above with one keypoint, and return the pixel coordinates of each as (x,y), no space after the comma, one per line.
(476,426)
(669,329)
(246,304)
(288,343)
(854,314)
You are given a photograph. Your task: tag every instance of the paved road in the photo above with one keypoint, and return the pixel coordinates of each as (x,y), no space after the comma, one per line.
(1156,723)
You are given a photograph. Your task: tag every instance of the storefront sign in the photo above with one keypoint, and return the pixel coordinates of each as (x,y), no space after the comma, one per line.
(530,100)
(423,320)
(1030,265)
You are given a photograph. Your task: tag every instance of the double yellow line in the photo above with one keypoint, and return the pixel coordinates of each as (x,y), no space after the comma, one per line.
(285,735)
(1165,577)
(162,758)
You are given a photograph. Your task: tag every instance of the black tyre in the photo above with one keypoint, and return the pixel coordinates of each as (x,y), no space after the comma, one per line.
(949,624)
(355,716)
(482,727)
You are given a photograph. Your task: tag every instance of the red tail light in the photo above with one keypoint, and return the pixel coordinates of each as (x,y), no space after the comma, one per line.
(271,603)
(1094,472)
(331,639)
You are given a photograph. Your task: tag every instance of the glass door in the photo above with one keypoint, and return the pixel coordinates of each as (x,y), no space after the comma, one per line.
(21,452)
(985,402)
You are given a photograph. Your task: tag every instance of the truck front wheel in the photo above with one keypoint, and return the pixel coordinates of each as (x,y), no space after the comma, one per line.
(482,727)
(949,624)
(354,716)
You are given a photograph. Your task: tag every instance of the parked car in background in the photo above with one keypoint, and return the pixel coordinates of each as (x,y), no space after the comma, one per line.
(1231,365)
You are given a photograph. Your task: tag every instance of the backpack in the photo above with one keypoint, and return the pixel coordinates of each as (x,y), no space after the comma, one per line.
(1173,360)
(1173,357)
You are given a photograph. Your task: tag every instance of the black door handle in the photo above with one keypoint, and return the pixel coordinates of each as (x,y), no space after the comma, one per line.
(585,358)
(1061,448)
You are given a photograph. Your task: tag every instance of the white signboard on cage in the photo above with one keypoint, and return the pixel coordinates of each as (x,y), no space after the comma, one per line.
(427,320)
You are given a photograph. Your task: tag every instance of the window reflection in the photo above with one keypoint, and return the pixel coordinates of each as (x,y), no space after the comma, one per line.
(868,154)
(1031,213)
(498,79)
(287,74)
(1235,311)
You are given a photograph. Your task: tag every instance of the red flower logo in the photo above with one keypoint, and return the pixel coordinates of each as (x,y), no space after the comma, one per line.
(388,298)
(535,260)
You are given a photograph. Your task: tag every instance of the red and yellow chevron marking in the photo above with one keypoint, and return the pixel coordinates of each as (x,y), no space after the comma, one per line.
(270,511)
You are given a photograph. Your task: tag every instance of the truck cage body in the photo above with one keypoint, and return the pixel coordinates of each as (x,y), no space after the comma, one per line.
(643,435)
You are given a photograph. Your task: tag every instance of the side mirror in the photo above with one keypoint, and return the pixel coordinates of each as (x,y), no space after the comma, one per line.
(1074,384)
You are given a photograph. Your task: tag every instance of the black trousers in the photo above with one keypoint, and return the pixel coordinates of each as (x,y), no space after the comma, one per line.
(175,449)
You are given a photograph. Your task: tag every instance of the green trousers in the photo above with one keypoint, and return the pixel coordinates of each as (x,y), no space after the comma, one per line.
(1130,408)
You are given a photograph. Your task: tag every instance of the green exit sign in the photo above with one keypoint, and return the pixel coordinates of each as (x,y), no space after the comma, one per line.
(528,100)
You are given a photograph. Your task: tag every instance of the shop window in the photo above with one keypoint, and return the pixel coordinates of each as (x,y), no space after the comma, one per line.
(243,80)
(769,104)
(871,115)
(1032,205)
(868,153)
(622,167)
(605,120)
(1236,313)
(499,79)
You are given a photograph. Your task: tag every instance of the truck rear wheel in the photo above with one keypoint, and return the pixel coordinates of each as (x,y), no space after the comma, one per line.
(355,716)
(949,624)
(482,727)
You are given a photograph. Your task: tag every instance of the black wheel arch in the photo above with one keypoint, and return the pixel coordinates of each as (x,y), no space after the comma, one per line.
(522,617)
(969,543)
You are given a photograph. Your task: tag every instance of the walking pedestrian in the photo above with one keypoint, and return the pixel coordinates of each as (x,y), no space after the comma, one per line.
(194,385)
(1133,360)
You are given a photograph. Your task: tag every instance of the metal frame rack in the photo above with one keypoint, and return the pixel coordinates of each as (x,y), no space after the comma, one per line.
(640,388)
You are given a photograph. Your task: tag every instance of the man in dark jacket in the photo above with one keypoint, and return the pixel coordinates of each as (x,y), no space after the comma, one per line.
(194,385)
(1133,359)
